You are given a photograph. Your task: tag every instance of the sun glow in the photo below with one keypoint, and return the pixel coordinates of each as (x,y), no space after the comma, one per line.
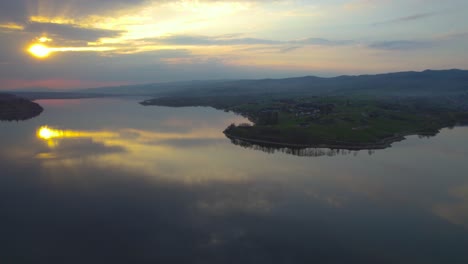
(130,148)
(44,39)
(47,133)
(50,134)
(39,51)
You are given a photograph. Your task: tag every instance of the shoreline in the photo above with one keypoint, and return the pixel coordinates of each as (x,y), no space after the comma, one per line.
(382,144)
(426,123)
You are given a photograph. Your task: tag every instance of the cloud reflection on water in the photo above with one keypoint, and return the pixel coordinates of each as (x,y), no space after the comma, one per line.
(151,152)
(169,192)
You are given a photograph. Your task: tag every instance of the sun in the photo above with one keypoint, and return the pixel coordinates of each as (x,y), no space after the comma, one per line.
(39,51)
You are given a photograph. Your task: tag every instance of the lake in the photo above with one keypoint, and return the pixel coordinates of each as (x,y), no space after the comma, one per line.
(111,181)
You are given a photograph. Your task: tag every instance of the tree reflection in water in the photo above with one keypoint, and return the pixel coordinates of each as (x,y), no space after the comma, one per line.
(302,152)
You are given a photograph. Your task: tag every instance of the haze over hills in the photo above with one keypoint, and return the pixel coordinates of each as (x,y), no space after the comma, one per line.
(427,83)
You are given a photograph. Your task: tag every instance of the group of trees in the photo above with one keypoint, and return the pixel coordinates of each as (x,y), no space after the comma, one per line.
(268,118)
(14,108)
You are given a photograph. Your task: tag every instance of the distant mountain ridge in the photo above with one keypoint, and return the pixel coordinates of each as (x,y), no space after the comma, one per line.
(425,83)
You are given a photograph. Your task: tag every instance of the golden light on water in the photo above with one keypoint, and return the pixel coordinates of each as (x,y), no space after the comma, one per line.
(129,148)
(52,136)
(47,133)
(39,51)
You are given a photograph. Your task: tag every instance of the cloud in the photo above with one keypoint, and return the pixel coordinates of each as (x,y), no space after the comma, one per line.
(363,4)
(414,17)
(323,42)
(141,41)
(21,10)
(400,45)
(146,67)
(289,48)
(189,40)
(80,148)
(190,142)
(453,36)
(13,11)
(257,45)
(70,32)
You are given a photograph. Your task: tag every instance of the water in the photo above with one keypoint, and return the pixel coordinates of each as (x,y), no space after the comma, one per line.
(116,182)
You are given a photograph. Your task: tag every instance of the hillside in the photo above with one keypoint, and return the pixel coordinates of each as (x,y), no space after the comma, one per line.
(346,112)
(13,108)
(428,83)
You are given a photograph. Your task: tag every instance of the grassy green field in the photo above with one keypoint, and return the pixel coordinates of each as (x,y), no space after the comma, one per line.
(346,121)
(352,121)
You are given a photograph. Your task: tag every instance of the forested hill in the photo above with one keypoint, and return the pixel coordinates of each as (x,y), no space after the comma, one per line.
(427,83)
(14,108)
(346,112)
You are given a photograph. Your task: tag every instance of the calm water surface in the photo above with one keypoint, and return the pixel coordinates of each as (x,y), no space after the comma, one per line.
(111,181)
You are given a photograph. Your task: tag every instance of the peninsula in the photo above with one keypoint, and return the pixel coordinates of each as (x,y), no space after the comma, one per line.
(338,114)
(328,122)
(14,108)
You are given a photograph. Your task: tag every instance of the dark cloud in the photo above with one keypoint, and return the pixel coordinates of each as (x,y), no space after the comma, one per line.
(400,45)
(70,32)
(13,11)
(271,49)
(21,10)
(406,19)
(10,49)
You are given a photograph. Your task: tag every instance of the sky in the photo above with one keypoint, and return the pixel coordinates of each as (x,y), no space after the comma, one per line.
(64,44)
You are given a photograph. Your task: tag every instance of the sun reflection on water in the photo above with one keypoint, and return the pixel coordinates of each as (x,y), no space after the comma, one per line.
(47,133)
(51,135)
(153,153)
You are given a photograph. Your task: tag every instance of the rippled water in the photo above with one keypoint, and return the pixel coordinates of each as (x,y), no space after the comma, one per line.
(111,181)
